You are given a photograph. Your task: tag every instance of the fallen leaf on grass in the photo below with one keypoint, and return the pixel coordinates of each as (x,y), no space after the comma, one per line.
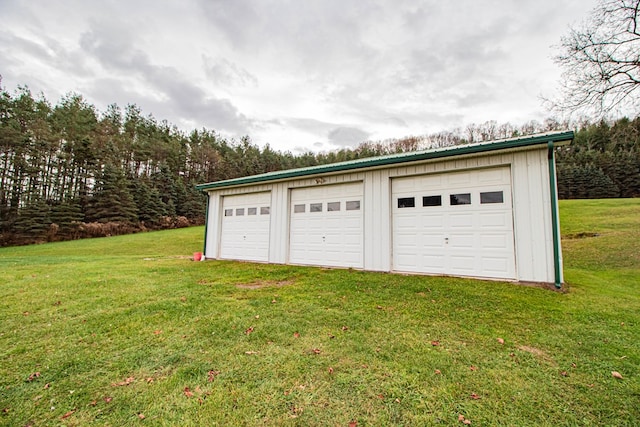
(149,380)
(353,424)
(330,370)
(248,331)
(67,415)
(273,301)
(188,392)
(435,343)
(46,386)
(141,416)
(93,403)
(33,376)
(463,420)
(473,368)
(183,299)
(108,399)
(126,382)
(500,340)
(344,328)
(474,396)
(5,410)
(211,375)
(25,313)
(296,335)
(157,332)
(616,374)
(564,373)
(438,372)
(250,352)
(316,351)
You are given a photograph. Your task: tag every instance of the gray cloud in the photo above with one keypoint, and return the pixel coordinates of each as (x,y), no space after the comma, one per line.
(347,136)
(227,73)
(185,99)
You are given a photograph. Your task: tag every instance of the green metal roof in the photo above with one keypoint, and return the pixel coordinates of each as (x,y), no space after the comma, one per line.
(394,159)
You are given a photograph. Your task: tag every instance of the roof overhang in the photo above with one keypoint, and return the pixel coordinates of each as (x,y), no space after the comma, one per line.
(544,140)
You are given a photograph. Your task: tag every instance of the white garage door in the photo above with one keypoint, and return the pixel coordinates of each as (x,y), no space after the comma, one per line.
(245,227)
(326,226)
(458,223)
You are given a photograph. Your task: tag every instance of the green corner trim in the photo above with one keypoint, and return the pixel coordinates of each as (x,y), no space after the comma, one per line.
(555,223)
(206,225)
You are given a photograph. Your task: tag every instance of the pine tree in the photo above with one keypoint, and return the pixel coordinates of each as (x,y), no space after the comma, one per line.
(149,203)
(33,222)
(112,202)
(68,217)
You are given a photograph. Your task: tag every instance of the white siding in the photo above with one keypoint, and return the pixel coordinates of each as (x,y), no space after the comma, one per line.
(377,220)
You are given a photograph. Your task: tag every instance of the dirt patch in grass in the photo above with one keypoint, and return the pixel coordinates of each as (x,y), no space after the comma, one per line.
(258,284)
(541,354)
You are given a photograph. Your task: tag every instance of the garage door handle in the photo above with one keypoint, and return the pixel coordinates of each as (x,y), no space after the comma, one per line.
(446,240)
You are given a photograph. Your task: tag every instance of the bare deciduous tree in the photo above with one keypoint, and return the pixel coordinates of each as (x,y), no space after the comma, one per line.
(601,62)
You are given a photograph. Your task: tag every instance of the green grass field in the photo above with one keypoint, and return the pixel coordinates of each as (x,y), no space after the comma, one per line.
(129,331)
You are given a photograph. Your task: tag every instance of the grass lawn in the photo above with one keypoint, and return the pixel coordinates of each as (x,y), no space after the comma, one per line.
(128,331)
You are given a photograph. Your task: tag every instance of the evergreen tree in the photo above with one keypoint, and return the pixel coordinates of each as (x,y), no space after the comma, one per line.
(33,222)
(68,216)
(149,203)
(112,201)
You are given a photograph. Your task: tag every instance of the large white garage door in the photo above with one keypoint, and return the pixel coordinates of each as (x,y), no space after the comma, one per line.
(326,226)
(245,227)
(458,223)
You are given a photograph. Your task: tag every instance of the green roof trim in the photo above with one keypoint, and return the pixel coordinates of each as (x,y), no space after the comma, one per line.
(393,159)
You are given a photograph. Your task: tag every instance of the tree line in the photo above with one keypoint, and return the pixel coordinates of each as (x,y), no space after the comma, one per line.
(68,171)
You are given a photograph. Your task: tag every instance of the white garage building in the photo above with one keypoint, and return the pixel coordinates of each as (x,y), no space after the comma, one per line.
(486,210)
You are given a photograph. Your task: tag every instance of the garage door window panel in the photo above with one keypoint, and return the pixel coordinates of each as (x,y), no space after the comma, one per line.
(406,202)
(353,205)
(492,197)
(265,210)
(299,208)
(431,201)
(228,212)
(252,211)
(460,199)
(333,207)
(315,207)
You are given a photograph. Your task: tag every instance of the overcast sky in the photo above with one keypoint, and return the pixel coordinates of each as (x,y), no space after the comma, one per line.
(300,74)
